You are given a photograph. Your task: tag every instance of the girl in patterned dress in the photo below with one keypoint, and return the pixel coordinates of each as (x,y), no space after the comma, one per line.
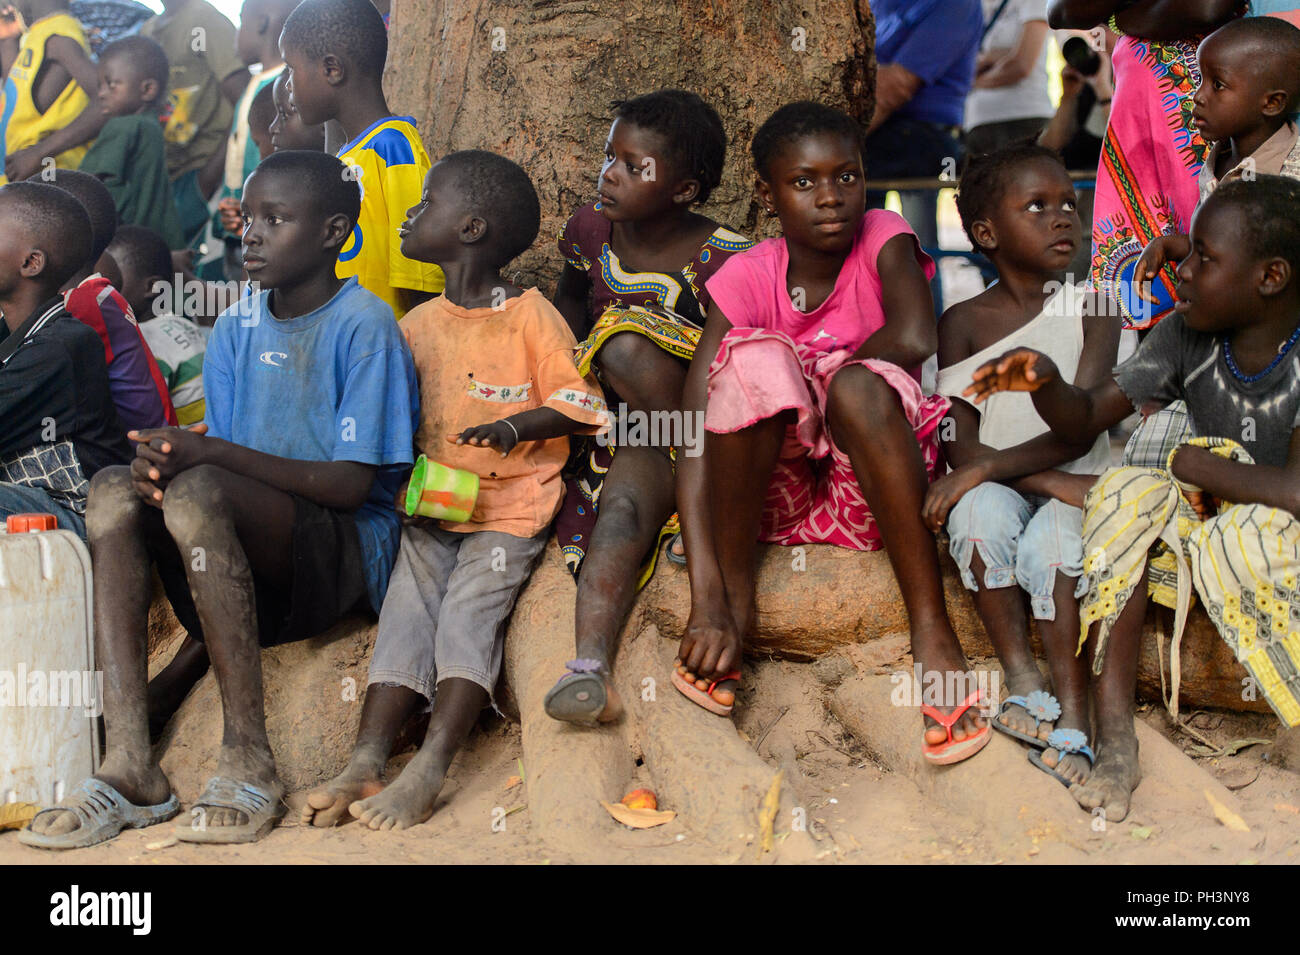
(633,292)
(818,431)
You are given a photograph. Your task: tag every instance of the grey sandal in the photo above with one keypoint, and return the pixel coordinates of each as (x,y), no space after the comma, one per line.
(262,808)
(103,812)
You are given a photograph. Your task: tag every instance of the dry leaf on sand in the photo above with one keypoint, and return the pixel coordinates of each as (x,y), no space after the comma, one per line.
(15,815)
(638,818)
(1226,815)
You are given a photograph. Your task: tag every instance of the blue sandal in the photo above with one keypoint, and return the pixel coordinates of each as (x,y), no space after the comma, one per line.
(1066,742)
(580,695)
(1041,706)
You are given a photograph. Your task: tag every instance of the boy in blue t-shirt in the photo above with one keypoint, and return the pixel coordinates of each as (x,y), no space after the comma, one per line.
(274,518)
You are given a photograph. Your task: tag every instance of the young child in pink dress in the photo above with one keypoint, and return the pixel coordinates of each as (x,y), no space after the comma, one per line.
(818,431)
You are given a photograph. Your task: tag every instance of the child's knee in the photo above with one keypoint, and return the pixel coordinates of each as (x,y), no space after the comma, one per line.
(194,501)
(1050,545)
(620,357)
(620,513)
(113,503)
(857,390)
(989,519)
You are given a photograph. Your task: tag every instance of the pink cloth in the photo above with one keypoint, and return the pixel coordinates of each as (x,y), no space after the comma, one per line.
(751,291)
(814,496)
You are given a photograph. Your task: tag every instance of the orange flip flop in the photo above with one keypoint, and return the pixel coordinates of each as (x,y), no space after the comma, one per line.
(705,697)
(954,751)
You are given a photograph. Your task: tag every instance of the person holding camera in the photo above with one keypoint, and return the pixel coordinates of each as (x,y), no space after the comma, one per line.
(1009,102)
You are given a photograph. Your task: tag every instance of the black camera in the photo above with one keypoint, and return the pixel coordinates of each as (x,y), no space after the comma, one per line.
(1079,54)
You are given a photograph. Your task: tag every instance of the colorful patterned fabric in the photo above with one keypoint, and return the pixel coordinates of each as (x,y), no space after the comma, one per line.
(668,309)
(1151,157)
(1243,564)
(106,20)
(814,496)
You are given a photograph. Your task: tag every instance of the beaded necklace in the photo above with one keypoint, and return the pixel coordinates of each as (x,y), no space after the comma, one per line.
(1282,350)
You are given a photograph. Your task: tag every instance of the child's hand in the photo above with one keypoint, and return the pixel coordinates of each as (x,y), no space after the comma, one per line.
(1071,83)
(163,453)
(1021,369)
(946,491)
(1153,258)
(11,22)
(231,218)
(24,163)
(498,434)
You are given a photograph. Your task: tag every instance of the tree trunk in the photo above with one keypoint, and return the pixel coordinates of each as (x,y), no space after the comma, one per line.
(534,80)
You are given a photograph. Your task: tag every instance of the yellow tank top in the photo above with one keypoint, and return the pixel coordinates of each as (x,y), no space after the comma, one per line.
(22,123)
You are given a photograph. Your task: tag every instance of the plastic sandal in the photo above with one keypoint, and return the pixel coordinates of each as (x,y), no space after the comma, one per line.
(103,811)
(261,807)
(705,697)
(1042,708)
(1066,742)
(580,696)
(673,556)
(954,751)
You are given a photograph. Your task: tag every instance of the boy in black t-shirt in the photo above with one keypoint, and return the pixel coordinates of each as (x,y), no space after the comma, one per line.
(1225,494)
(58,425)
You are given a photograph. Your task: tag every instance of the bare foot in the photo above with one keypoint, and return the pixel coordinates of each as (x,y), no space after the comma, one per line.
(1074,767)
(408,801)
(143,788)
(1114,777)
(327,805)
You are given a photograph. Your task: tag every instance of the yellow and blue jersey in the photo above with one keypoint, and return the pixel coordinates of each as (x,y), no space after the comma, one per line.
(390,164)
(21,123)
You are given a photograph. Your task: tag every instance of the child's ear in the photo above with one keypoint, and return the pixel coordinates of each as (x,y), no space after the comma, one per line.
(1275,278)
(764,193)
(986,239)
(149,90)
(34,263)
(333,69)
(472,230)
(337,229)
(686,191)
(1276,103)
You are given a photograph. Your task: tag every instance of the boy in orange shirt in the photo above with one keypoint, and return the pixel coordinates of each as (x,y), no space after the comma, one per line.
(485,351)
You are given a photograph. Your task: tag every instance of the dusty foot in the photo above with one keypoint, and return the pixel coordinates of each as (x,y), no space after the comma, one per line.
(724,693)
(944,662)
(1016,717)
(147,787)
(327,805)
(1113,778)
(408,801)
(1074,767)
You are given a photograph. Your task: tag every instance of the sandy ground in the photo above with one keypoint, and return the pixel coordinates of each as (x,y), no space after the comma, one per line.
(856,810)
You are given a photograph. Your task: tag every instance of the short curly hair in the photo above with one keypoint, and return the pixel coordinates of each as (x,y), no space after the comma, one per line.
(148,60)
(501,193)
(984,177)
(352,30)
(55,222)
(795,121)
(691,128)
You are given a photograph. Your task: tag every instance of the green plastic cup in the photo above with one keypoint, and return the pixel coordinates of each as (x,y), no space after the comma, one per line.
(447,494)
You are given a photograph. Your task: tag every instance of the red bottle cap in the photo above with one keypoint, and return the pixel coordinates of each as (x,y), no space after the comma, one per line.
(30,523)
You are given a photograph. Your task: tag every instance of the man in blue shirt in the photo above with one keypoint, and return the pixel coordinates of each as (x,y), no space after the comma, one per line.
(926,52)
(268,523)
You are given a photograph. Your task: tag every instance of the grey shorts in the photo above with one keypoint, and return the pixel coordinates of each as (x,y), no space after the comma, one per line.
(448,602)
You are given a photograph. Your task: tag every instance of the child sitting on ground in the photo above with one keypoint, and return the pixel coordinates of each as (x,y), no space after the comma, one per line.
(58,426)
(267,525)
(177,343)
(335,51)
(45,106)
(819,431)
(139,389)
(1250,89)
(636,262)
(1226,501)
(486,352)
(1012,503)
(129,155)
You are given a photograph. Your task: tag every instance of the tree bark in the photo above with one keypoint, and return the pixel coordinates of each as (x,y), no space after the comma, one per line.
(534,80)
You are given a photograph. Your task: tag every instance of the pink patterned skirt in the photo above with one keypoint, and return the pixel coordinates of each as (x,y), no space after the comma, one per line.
(814,496)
